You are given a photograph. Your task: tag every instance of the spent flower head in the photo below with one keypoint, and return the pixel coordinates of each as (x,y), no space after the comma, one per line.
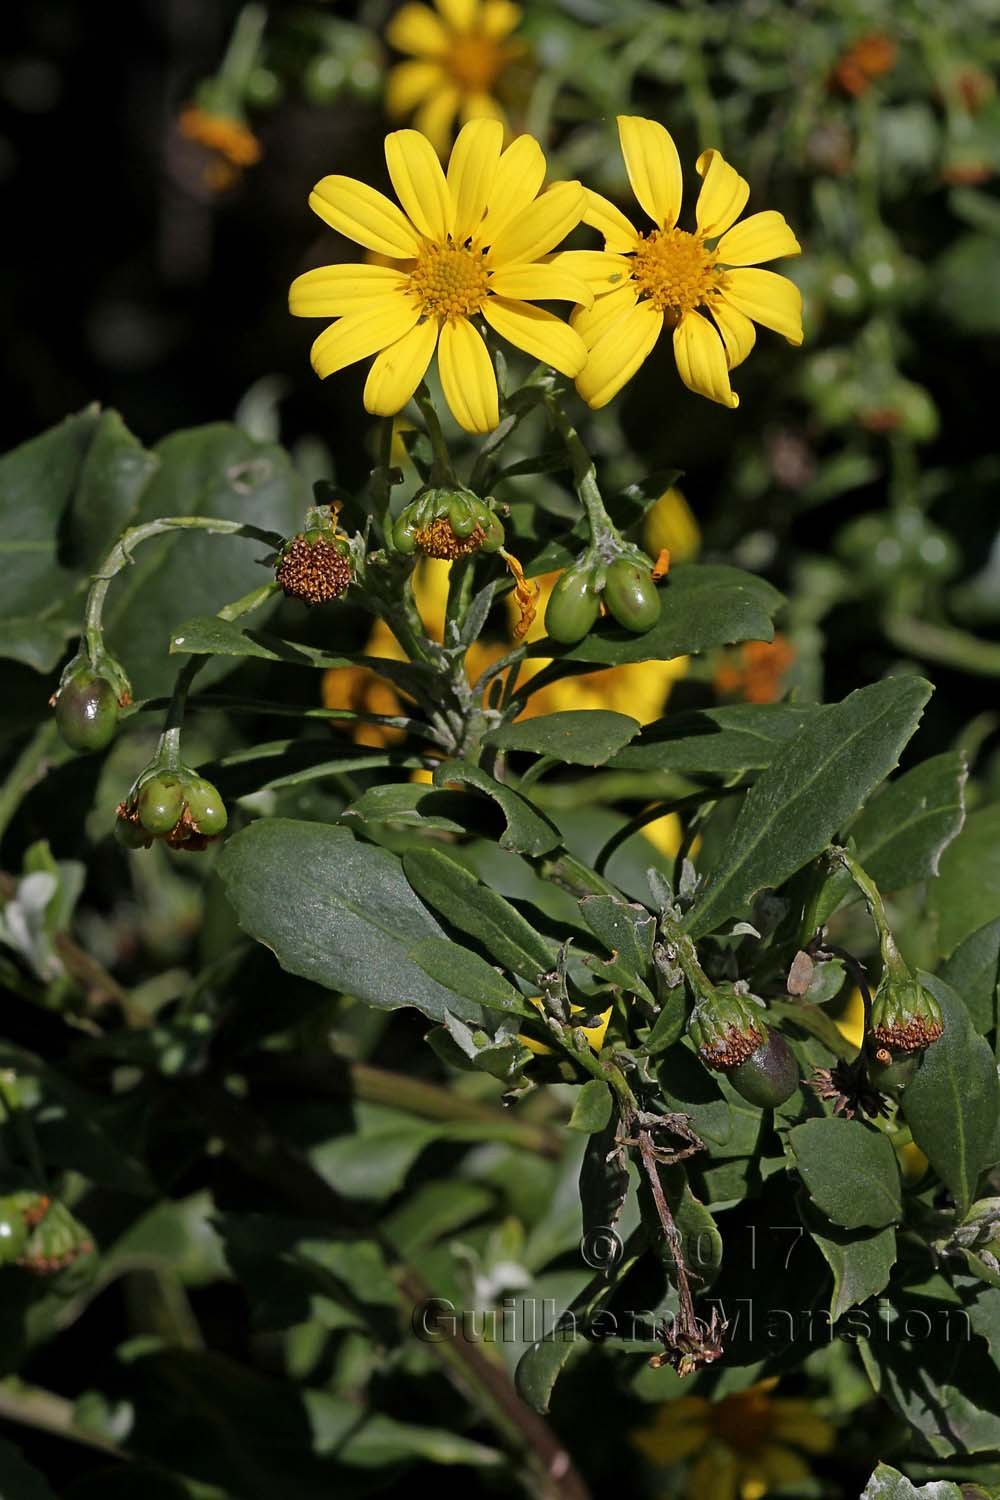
(465,245)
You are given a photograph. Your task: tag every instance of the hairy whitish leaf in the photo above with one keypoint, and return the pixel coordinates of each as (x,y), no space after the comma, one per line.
(952,1103)
(472,907)
(901,835)
(335,911)
(889,1484)
(973,971)
(861,1259)
(700,607)
(966,894)
(716,741)
(580,737)
(467,974)
(592,1107)
(849,1170)
(528,831)
(809,791)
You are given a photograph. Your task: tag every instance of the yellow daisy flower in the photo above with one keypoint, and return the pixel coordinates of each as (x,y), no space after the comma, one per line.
(743,1446)
(457,51)
(670,524)
(463,245)
(663,276)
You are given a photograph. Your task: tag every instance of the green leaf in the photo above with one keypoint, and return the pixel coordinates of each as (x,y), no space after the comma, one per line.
(465,973)
(114,474)
(966,894)
(953,1102)
(901,835)
(817,782)
(408,804)
(528,831)
(18,1479)
(727,1124)
(543,1362)
(890,1484)
(966,277)
(700,607)
(627,931)
(973,970)
(850,1171)
(579,737)
(861,1259)
(716,741)
(335,911)
(592,1107)
(472,907)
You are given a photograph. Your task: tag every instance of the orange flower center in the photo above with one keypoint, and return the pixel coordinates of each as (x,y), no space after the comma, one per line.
(674,270)
(474,62)
(743,1422)
(449,281)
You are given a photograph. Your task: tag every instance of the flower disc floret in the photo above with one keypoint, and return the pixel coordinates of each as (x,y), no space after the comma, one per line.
(449,281)
(674,271)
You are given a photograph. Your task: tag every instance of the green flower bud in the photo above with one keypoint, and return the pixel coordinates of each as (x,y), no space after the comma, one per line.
(905,1017)
(572,608)
(727,1029)
(86,711)
(160,803)
(770,1075)
(632,596)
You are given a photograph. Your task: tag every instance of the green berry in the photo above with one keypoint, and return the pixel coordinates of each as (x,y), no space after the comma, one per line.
(769,1076)
(206,808)
(13,1228)
(572,607)
(632,596)
(87,711)
(131,834)
(161,803)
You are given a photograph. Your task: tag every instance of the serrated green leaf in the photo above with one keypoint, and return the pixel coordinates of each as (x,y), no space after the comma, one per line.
(472,907)
(335,911)
(952,1103)
(811,789)
(716,741)
(700,607)
(849,1170)
(528,831)
(579,737)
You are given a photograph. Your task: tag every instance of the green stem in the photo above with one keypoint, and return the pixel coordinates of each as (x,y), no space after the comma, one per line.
(656,811)
(604,533)
(944,644)
(442,472)
(460,581)
(43,749)
(241,55)
(47,1412)
(683,949)
(891,956)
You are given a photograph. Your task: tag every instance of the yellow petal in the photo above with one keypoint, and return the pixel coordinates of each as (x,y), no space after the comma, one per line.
(592,322)
(701,359)
(762,237)
(498,18)
(723,195)
(361,333)
(714,1476)
(537,332)
(619,352)
(670,1445)
(536,282)
(602,215)
(482,106)
(331,291)
(436,116)
(738,333)
(595,1034)
(653,166)
(851,1022)
(415,28)
(472,171)
(601,271)
(409,83)
(364,215)
(419,182)
(796,1421)
(519,177)
(467,378)
(780,1465)
(665,834)
(459,15)
(770,299)
(399,369)
(552,216)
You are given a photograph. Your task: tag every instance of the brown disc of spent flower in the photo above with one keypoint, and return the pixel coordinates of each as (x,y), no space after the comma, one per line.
(313,571)
(439,539)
